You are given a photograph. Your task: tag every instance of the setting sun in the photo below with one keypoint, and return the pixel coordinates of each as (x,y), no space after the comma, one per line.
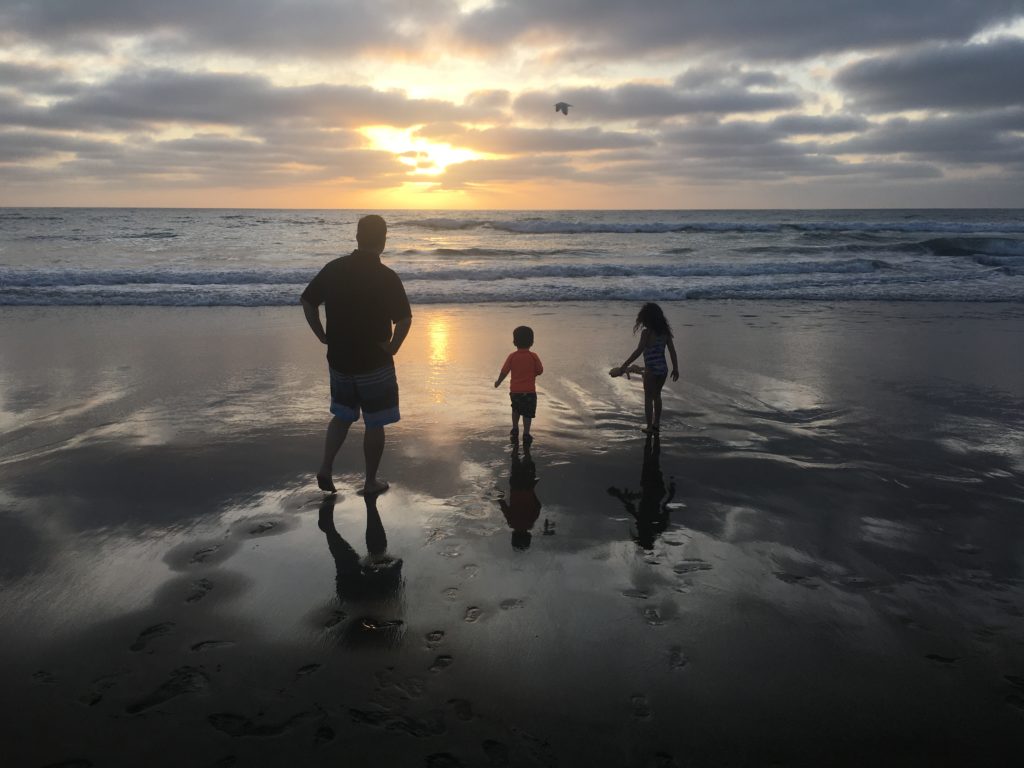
(424,157)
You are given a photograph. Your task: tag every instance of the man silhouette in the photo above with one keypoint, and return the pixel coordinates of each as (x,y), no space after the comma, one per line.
(368,318)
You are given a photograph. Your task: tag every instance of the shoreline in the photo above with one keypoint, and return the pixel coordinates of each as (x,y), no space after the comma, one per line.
(820,564)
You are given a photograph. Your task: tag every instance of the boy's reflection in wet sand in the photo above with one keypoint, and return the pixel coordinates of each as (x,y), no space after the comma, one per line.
(649,505)
(370,584)
(522,508)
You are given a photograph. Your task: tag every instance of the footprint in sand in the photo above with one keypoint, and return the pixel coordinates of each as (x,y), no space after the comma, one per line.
(637,594)
(264,527)
(434,638)
(99,687)
(324,734)
(790,578)
(441,662)
(472,614)
(309,669)
(209,645)
(676,659)
(470,570)
(653,616)
(201,555)
(182,680)
(451,593)
(200,590)
(640,706)
(691,566)
(947,660)
(149,634)
(44,677)
(512,604)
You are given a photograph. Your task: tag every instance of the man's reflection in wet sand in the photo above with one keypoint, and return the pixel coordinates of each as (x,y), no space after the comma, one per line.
(649,505)
(367,586)
(522,508)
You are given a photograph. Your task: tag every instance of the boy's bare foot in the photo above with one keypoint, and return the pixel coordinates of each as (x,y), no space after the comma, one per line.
(326,484)
(374,488)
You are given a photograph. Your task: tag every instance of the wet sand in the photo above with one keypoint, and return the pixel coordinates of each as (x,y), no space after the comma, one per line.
(818,564)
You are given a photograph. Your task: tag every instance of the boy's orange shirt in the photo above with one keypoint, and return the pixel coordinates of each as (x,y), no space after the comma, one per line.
(525,367)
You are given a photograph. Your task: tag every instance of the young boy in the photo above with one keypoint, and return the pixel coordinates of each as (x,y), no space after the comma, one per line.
(525,367)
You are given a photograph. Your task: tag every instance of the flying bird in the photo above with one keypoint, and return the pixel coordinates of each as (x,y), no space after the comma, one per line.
(562,107)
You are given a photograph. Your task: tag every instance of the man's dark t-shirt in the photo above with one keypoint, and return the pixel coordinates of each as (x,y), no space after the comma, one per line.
(363,298)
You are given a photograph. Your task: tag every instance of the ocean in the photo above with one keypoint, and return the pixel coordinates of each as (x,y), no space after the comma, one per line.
(206,257)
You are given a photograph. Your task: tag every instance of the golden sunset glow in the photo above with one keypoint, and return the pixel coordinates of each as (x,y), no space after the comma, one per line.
(438,330)
(300,103)
(424,158)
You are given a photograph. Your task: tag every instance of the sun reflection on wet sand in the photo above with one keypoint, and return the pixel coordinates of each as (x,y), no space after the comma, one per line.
(438,333)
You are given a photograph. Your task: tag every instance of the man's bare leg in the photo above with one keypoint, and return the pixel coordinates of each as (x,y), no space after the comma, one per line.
(373,449)
(337,431)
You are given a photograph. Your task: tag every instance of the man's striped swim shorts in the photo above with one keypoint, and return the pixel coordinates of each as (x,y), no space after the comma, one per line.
(375,392)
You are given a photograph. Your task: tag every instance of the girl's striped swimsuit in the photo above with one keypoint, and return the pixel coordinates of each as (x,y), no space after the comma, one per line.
(654,356)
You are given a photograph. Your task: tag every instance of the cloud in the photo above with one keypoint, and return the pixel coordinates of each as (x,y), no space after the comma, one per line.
(995,138)
(159,97)
(19,146)
(947,77)
(821,125)
(639,101)
(280,28)
(740,150)
(752,29)
(512,140)
(34,78)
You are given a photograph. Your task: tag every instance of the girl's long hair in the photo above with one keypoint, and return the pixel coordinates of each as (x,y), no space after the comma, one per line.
(651,316)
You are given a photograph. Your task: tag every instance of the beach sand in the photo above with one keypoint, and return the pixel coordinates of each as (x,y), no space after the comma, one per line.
(820,563)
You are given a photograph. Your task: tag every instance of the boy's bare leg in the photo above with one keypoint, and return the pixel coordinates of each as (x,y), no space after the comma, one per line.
(527,421)
(515,424)
(373,449)
(337,431)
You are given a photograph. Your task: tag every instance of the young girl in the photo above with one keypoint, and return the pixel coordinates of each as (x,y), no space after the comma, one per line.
(655,337)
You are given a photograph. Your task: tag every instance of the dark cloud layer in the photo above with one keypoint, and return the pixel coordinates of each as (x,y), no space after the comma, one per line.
(167,96)
(320,28)
(944,77)
(753,29)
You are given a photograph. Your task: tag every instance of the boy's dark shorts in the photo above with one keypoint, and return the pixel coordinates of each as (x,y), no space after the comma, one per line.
(375,392)
(524,403)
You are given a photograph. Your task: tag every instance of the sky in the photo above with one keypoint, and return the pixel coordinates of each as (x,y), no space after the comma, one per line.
(449,104)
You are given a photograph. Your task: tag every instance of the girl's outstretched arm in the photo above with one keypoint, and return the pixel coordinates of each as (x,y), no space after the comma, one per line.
(639,349)
(675,360)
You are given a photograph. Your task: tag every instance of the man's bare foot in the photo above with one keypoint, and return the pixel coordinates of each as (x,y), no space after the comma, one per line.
(374,488)
(326,484)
